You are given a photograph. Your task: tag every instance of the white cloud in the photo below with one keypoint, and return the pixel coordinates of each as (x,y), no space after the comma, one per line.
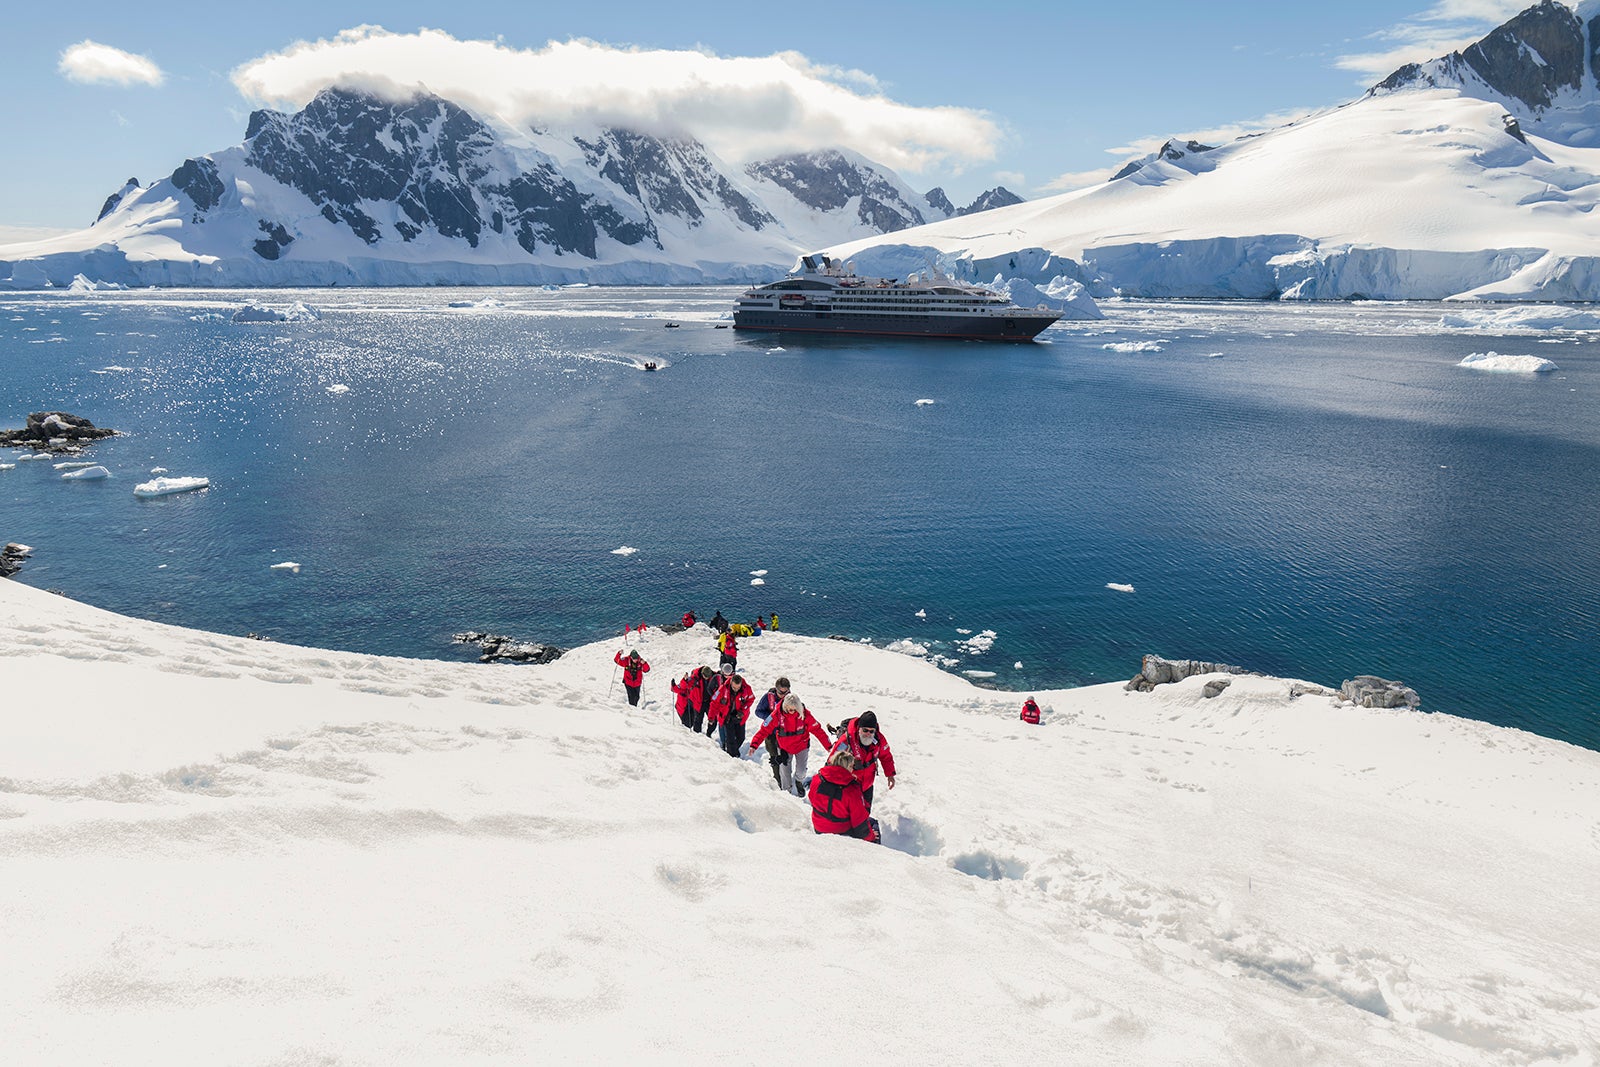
(741,107)
(93,63)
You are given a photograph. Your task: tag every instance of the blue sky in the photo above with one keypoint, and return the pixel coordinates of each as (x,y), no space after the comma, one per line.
(974,94)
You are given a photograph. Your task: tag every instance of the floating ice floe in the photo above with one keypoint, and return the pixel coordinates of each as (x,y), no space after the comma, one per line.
(113,369)
(1494,361)
(90,473)
(907,647)
(158,470)
(286,565)
(978,674)
(923,402)
(1133,346)
(81,284)
(625,550)
(758,581)
(1017,665)
(922,613)
(1121,587)
(296,312)
(338,390)
(771,350)
(168,486)
(36,457)
(8,466)
(75,465)
(978,643)
(1526,317)
(758,574)
(486,303)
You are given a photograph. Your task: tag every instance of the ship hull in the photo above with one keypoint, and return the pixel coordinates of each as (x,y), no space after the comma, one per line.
(1019,327)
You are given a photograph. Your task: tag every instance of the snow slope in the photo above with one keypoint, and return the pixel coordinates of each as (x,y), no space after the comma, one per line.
(227,850)
(1440,183)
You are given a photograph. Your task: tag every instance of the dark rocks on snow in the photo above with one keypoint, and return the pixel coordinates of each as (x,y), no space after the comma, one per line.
(53,431)
(1154,671)
(1368,691)
(497,648)
(11,558)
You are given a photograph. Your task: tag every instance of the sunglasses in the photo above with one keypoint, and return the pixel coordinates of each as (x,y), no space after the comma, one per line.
(867,734)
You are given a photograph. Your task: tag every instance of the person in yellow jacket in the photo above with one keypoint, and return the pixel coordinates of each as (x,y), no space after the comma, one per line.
(728,645)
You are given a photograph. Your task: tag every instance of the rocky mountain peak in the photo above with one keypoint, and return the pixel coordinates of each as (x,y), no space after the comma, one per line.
(828,180)
(129,186)
(999,196)
(1532,58)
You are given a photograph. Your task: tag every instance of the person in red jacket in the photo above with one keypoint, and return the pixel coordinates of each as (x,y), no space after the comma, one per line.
(633,672)
(794,728)
(837,805)
(860,737)
(690,695)
(731,707)
(728,645)
(1030,711)
(688,619)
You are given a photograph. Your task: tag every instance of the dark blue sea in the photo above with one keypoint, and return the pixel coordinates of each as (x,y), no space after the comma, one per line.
(1310,491)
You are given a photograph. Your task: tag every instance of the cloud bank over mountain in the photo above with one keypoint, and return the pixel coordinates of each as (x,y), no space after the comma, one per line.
(742,108)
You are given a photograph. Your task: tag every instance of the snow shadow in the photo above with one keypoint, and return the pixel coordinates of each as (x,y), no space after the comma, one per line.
(988,865)
(910,835)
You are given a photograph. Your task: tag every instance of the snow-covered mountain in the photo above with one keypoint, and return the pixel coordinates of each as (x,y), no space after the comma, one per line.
(357,189)
(1472,176)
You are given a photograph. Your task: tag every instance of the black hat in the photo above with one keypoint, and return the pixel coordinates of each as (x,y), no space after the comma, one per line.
(867,719)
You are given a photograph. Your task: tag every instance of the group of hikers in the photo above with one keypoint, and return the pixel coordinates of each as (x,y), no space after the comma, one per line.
(720,703)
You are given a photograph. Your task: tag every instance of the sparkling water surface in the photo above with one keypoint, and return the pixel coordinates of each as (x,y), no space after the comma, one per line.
(1305,490)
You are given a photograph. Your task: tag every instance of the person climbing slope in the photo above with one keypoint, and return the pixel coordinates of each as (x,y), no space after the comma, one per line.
(731,706)
(633,671)
(794,728)
(1030,711)
(860,737)
(837,804)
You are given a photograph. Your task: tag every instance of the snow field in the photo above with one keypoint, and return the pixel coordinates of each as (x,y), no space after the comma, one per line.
(305,855)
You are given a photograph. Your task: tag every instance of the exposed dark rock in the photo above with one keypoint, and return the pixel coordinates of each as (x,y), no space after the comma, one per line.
(115,198)
(11,558)
(1154,671)
(828,180)
(498,648)
(939,200)
(276,240)
(1369,691)
(999,196)
(197,179)
(1172,151)
(1215,687)
(54,431)
(1530,58)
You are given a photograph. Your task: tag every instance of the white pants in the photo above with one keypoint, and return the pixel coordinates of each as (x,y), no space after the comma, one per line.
(793,770)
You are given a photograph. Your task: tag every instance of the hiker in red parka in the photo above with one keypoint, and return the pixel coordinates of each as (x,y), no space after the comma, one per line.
(633,672)
(731,708)
(690,696)
(860,737)
(728,645)
(837,806)
(1030,711)
(794,728)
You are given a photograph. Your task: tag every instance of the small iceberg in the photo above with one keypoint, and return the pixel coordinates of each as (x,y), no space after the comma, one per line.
(922,613)
(158,470)
(35,457)
(758,581)
(168,486)
(75,465)
(286,565)
(90,473)
(1494,361)
(625,550)
(907,647)
(923,403)
(978,674)
(296,312)
(1133,346)
(1119,587)
(338,390)
(758,574)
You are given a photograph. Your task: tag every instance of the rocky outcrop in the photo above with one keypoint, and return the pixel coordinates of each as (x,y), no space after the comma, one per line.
(999,196)
(11,558)
(1154,671)
(829,180)
(497,648)
(1369,691)
(130,186)
(53,431)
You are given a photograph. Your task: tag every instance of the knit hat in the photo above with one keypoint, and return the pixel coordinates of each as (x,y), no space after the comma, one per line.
(867,720)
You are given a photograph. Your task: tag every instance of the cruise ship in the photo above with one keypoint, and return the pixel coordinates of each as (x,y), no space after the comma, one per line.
(825,296)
